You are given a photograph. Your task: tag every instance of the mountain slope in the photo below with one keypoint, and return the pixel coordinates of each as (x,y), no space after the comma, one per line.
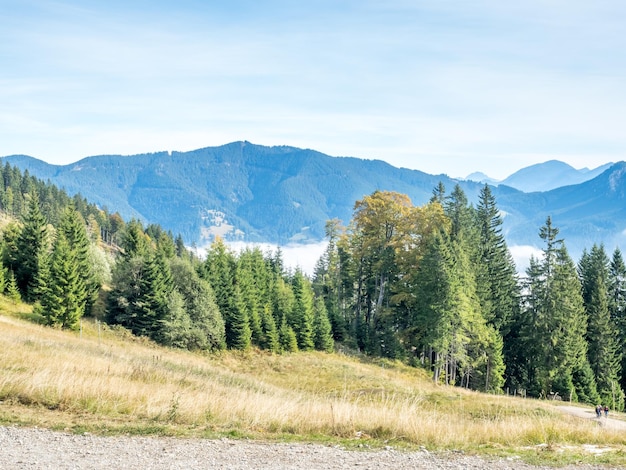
(550,175)
(248,192)
(239,190)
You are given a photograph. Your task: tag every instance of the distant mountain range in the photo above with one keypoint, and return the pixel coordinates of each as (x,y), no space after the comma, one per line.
(248,192)
(543,176)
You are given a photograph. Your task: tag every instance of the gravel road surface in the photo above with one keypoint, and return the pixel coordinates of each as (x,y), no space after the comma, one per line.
(35,449)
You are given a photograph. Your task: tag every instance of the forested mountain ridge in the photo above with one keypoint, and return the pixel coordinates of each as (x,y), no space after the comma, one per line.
(550,175)
(281,194)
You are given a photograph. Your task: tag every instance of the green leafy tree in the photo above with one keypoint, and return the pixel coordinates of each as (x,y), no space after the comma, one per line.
(206,329)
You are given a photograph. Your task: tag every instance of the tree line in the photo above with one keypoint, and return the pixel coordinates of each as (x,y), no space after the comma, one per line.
(433,285)
(436,286)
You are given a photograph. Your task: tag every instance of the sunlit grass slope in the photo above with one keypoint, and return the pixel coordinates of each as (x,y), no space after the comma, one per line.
(101,380)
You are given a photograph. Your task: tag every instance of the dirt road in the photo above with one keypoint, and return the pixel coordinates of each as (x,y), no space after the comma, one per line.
(585,413)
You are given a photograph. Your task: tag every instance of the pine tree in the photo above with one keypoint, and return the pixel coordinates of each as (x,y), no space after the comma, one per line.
(248,279)
(301,318)
(219,270)
(12,291)
(4,278)
(496,277)
(155,285)
(271,340)
(63,300)
(238,332)
(447,324)
(141,289)
(617,305)
(31,243)
(134,240)
(327,281)
(554,336)
(73,228)
(602,335)
(322,330)
(287,337)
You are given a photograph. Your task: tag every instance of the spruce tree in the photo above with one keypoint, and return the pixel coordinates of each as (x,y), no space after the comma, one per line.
(3,278)
(602,335)
(12,291)
(301,318)
(63,300)
(219,270)
(32,242)
(322,330)
(496,277)
(553,338)
(238,332)
(271,340)
(73,227)
(287,337)
(327,281)
(447,324)
(247,277)
(617,305)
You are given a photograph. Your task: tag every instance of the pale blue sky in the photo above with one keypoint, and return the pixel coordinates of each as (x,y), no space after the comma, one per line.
(440,86)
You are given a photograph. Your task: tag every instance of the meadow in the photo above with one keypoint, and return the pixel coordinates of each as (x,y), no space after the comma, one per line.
(105,381)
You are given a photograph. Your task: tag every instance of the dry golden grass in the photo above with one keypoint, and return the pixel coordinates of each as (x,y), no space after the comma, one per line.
(107,381)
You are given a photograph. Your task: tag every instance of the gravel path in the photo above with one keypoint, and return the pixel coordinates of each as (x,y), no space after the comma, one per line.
(35,449)
(585,413)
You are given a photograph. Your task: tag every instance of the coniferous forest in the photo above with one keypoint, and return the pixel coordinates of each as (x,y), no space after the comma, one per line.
(433,286)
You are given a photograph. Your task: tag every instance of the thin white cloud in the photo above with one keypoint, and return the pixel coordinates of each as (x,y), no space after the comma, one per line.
(439,86)
(521,256)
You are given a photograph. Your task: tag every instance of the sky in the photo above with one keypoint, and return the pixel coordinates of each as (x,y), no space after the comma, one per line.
(441,86)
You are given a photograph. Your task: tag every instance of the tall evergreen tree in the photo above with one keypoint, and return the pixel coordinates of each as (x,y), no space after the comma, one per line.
(32,241)
(73,228)
(327,281)
(554,335)
(287,337)
(249,276)
(617,305)
(270,340)
(219,270)
(63,299)
(322,330)
(496,276)
(238,331)
(301,318)
(12,291)
(602,334)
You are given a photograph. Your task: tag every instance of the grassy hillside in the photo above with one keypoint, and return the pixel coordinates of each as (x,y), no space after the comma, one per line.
(104,381)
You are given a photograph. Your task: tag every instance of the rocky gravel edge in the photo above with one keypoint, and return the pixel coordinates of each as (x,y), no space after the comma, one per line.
(34,449)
